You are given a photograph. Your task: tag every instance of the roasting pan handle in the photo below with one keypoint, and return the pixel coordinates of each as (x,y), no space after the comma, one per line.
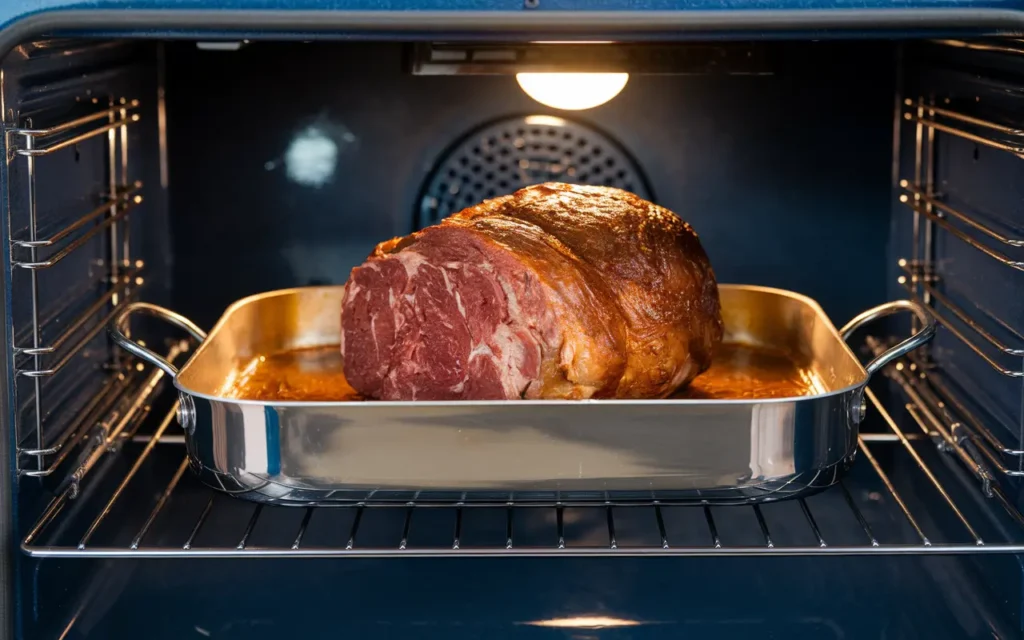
(923,335)
(119,324)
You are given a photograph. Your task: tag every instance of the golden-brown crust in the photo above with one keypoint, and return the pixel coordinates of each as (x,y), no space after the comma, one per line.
(649,258)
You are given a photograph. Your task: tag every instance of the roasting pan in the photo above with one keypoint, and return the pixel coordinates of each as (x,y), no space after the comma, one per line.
(712,449)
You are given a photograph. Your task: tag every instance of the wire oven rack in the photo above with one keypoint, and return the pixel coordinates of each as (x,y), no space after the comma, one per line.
(57,334)
(902,496)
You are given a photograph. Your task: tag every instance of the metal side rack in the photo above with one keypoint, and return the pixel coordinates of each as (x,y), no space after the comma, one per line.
(74,269)
(902,496)
(970,432)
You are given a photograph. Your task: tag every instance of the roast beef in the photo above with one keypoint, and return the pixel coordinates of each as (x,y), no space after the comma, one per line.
(556,291)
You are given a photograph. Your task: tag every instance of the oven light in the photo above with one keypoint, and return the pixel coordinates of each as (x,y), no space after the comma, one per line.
(572,91)
(585,622)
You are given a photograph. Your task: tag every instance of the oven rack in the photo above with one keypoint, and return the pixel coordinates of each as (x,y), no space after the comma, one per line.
(937,408)
(53,337)
(995,341)
(157,508)
(941,396)
(931,212)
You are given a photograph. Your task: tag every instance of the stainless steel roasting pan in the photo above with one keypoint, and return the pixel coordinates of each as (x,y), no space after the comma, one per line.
(712,449)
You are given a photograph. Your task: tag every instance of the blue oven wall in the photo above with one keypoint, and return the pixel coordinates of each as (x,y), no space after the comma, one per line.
(785,177)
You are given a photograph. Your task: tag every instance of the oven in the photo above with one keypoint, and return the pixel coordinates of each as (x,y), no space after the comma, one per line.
(189,157)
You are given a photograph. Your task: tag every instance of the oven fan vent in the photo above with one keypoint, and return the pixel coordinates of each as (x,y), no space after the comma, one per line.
(503,156)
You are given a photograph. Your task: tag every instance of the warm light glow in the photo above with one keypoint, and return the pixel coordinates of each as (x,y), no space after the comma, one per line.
(584,622)
(572,91)
(545,121)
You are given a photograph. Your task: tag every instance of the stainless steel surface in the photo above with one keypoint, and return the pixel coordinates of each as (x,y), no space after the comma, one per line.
(977,328)
(961,315)
(711,451)
(77,224)
(69,133)
(931,123)
(1008,239)
(950,228)
(924,334)
(119,328)
(915,282)
(118,390)
(937,410)
(118,208)
(79,322)
(920,196)
(41,451)
(36,329)
(83,340)
(863,514)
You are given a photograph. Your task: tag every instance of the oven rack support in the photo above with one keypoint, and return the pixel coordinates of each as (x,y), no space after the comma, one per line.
(39,354)
(932,214)
(954,426)
(860,512)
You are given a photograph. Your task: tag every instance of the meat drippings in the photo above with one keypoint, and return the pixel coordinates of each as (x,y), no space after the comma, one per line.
(739,372)
(309,375)
(745,372)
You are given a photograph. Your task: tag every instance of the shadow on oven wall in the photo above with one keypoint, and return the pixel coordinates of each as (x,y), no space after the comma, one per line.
(290,161)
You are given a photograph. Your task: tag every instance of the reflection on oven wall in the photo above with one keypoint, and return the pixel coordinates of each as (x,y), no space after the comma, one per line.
(778,193)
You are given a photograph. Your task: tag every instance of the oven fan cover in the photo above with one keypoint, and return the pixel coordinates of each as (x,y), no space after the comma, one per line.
(504,156)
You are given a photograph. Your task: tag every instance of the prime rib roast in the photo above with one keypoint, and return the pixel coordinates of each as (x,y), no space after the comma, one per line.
(555,291)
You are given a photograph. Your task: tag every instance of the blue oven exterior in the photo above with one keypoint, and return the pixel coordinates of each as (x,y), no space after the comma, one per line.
(475,19)
(788,597)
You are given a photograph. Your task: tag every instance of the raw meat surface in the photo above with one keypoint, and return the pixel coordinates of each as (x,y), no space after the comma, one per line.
(556,291)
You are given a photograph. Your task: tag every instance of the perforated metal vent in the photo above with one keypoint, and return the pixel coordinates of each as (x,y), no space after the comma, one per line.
(509,154)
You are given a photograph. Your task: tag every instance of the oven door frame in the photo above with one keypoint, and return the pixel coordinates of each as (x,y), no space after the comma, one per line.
(691,20)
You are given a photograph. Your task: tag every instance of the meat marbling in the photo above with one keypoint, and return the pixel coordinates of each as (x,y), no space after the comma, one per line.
(556,291)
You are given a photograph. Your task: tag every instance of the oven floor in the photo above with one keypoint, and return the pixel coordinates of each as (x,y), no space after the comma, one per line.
(894,597)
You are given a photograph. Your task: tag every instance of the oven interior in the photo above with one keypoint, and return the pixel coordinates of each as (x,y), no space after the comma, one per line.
(192,174)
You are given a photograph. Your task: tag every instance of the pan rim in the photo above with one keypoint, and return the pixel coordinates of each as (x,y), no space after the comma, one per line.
(603,402)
